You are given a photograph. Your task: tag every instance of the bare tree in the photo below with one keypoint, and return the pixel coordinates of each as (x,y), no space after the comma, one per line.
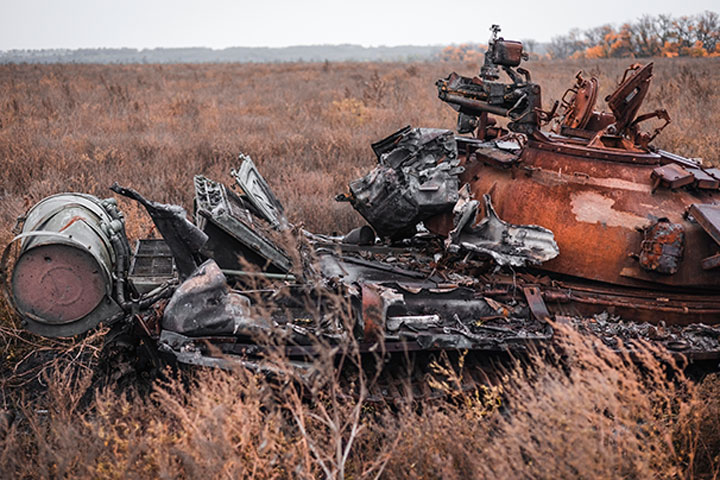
(664,27)
(559,47)
(597,35)
(530,45)
(645,39)
(683,31)
(707,30)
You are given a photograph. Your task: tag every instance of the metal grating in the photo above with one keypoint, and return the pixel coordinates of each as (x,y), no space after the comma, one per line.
(152,264)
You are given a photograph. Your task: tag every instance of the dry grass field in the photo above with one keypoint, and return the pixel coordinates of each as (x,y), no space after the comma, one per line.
(595,414)
(307,126)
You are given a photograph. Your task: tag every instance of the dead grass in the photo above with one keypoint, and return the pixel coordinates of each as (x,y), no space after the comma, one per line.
(581,411)
(589,413)
(308,126)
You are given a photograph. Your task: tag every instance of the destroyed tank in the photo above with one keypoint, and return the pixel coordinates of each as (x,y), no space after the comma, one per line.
(476,241)
(637,227)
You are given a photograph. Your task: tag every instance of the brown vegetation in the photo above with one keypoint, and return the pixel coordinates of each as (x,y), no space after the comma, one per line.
(581,411)
(465,52)
(591,413)
(308,126)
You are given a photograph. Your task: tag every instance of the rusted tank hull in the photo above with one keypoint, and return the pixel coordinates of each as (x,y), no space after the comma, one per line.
(596,207)
(636,305)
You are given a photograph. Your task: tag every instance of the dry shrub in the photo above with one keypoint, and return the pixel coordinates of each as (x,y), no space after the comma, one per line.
(584,412)
(578,410)
(309,127)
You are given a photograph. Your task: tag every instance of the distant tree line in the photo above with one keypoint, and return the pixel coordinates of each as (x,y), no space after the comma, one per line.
(306,53)
(648,36)
(465,52)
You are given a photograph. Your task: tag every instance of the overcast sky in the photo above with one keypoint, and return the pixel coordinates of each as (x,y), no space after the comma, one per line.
(224,23)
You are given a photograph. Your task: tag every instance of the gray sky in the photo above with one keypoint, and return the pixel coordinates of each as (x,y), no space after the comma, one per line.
(223,23)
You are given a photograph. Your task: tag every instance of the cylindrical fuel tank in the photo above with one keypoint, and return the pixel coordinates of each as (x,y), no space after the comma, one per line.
(62,282)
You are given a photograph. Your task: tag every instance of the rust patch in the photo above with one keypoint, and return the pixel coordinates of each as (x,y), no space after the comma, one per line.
(372,313)
(662,247)
(72,220)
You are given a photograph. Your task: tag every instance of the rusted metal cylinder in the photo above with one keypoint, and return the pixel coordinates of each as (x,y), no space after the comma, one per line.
(63,279)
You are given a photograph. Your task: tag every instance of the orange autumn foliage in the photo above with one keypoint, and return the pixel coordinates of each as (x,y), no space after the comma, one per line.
(685,36)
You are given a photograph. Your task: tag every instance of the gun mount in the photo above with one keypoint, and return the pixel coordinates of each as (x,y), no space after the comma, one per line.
(520,100)
(474,98)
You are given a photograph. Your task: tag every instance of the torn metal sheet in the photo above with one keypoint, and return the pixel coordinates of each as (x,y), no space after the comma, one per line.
(235,237)
(349,270)
(507,244)
(204,305)
(257,192)
(417,177)
(412,322)
(537,305)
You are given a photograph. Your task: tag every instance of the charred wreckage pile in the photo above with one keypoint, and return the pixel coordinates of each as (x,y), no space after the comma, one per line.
(476,241)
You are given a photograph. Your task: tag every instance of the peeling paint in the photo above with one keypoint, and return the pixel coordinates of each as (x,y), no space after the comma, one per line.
(592,207)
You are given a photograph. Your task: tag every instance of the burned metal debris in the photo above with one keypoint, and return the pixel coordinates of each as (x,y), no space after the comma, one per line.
(507,244)
(204,304)
(416,178)
(697,341)
(474,242)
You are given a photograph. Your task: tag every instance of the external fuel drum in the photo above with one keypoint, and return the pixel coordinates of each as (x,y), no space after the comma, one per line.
(62,282)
